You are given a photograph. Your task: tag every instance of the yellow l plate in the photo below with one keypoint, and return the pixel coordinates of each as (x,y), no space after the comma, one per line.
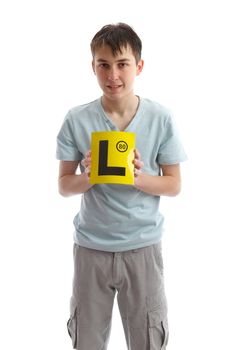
(112,154)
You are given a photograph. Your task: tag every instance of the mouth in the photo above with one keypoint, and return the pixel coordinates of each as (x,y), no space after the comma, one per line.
(114,87)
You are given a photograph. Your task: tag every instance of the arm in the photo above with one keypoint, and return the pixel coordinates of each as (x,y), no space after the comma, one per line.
(69,183)
(169,184)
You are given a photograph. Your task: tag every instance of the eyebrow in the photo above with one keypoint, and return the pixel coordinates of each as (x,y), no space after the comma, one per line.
(121,60)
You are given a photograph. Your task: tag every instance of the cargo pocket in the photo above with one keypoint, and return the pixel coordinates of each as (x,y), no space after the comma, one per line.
(72,323)
(158,329)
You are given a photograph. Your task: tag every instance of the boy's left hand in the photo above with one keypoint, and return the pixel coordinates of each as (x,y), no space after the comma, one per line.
(138,164)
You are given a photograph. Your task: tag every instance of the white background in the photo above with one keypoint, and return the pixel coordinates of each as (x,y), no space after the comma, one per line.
(46,70)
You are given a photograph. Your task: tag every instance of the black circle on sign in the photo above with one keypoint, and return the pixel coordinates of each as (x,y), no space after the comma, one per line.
(121,146)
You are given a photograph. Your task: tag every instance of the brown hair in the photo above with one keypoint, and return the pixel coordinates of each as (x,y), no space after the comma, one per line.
(117,36)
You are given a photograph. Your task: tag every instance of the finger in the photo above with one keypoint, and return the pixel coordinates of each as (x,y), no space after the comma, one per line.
(137,154)
(88,170)
(137,172)
(88,157)
(87,160)
(83,162)
(138,164)
(88,154)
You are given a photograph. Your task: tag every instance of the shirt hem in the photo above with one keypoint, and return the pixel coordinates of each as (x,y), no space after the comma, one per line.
(114,249)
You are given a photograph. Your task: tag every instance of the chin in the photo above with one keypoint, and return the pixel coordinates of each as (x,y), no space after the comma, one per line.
(112,96)
(116,96)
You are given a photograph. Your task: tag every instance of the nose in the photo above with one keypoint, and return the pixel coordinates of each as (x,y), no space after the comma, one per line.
(113,74)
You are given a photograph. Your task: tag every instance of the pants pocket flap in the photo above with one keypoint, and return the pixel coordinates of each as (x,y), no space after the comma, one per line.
(158,330)
(72,322)
(157,315)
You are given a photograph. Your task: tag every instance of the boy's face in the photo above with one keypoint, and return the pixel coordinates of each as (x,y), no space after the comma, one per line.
(116,74)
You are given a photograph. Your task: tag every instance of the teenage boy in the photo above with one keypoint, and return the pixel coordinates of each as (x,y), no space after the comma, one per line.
(118,230)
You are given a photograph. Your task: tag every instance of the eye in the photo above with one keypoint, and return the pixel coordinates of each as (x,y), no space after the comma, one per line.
(104,65)
(123,65)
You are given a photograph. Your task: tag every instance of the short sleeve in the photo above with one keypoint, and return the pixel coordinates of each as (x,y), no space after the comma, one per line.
(171,150)
(66,145)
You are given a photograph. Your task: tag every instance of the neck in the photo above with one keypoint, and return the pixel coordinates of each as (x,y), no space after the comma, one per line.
(120,107)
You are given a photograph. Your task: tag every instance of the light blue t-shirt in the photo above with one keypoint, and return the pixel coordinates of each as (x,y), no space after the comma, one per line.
(120,217)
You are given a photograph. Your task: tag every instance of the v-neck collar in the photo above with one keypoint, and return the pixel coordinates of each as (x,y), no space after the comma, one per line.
(112,125)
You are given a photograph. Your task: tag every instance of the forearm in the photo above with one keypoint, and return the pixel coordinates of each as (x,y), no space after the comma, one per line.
(74,184)
(157,185)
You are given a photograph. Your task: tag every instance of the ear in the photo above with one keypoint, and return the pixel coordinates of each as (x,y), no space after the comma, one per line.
(139,67)
(93,66)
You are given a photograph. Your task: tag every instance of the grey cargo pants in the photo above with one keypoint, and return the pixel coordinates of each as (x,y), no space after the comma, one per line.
(137,276)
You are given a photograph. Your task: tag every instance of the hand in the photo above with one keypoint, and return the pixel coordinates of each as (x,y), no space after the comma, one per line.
(86,162)
(138,164)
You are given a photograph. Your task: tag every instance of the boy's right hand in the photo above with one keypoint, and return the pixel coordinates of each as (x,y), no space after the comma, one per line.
(86,162)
